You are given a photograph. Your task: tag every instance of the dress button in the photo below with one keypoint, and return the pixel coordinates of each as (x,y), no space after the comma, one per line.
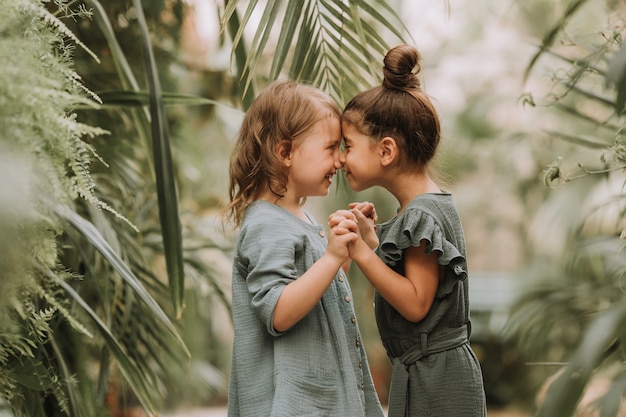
(347,298)
(360,364)
(322,233)
(357,343)
(362,387)
(353,319)
(340,278)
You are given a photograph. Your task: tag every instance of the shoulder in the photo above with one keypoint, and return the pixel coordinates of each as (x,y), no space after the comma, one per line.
(432,203)
(423,208)
(440,208)
(429,217)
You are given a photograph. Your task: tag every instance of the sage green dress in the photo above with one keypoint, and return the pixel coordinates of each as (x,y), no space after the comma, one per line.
(316,368)
(435,372)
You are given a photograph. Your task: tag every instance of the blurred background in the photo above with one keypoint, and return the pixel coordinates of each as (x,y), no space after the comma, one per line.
(117,123)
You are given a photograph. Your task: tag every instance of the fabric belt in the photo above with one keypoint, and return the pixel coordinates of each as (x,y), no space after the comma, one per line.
(436,343)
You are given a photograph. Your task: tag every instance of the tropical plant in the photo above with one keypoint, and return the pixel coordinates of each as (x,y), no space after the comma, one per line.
(94,261)
(572,320)
(71,300)
(334,45)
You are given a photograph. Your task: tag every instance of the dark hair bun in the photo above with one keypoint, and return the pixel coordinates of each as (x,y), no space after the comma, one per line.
(401,68)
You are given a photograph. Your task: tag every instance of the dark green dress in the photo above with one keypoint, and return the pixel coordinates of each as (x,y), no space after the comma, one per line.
(435,372)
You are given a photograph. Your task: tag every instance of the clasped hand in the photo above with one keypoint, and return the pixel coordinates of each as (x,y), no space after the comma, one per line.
(363,216)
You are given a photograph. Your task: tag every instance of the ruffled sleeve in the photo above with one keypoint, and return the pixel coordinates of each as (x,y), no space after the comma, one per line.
(409,230)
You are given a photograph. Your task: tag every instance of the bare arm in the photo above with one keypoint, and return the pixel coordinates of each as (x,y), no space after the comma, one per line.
(412,295)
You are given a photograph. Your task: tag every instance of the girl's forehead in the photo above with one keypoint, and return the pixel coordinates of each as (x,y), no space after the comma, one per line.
(327,129)
(348,130)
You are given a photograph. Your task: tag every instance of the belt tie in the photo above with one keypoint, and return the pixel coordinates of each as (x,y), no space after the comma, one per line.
(437,343)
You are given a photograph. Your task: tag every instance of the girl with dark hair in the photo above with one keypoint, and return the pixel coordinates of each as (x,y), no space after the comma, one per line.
(419,269)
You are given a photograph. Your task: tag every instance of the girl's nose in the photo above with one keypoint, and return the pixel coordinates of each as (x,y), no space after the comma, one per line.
(339,160)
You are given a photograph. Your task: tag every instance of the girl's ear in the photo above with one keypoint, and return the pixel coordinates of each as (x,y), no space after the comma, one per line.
(388,151)
(283,150)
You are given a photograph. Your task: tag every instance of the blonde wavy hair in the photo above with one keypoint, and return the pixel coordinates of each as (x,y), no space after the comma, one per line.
(283,111)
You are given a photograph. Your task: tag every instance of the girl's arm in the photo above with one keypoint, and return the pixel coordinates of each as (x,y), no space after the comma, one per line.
(300,296)
(413,295)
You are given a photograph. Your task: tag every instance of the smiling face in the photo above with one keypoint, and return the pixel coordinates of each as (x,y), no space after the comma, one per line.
(314,160)
(360,158)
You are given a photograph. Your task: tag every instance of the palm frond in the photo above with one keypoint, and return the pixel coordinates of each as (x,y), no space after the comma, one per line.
(124,71)
(549,39)
(339,46)
(89,231)
(566,390)
(135,377)
(140,98)
(164,172)
(240,51)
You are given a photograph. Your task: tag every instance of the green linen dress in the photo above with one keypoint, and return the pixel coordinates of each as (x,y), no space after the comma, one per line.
(316,368)
(435,372)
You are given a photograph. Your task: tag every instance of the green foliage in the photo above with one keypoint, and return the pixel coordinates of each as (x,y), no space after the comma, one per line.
(64,307)
(334,45)
(43,162)
(85,305)
(574,317)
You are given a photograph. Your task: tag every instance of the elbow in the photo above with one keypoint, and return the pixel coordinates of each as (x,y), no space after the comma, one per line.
(415,314)
(414,317)
(282,324)
(280,327)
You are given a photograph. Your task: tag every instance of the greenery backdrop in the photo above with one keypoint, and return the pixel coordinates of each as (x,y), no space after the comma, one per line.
(116,126)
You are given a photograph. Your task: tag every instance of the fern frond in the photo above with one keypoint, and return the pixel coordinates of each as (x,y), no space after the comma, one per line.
(82,182)
(55,23)
(57,306)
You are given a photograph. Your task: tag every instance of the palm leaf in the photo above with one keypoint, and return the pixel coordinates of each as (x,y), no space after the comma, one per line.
(89,231)
(550,37)
(591,143)
(327,30)
(612,401)
(620,83)
(124,71)
(590,95)
(261,36)
(146,394)
(386,17)
(140,98)
(580,115)
(292,19)
(164,172)
(241,53)
(565,392)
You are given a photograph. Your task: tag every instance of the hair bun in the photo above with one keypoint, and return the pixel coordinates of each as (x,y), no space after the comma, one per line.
(401,68)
